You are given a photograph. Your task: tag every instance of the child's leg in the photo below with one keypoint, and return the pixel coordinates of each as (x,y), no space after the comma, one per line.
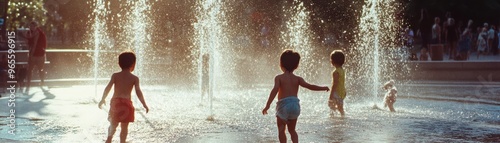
(331,104)
(391,106)
(340,106)
(291,129)
(111,131)
(385,102)
(281,130)
(124,132)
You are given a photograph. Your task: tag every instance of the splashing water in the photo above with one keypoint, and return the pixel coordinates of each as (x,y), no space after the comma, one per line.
(373,59)
(297,35)
(133,36)
(99,33)
(371,62)
(210,40)
(137,33)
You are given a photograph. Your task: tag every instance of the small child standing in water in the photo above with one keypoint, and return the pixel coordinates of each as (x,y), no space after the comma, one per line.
(424,55)
(121,108)
(338,93)
(390,96)
(286,85)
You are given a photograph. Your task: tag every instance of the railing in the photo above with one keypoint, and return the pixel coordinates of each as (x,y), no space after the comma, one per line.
(77,66)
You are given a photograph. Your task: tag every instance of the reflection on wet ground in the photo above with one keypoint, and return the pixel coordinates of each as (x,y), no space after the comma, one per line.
(69,114)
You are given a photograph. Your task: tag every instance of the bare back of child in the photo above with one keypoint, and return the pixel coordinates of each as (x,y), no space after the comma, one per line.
(124,82)
(286,86)
(121,109)
(289,84)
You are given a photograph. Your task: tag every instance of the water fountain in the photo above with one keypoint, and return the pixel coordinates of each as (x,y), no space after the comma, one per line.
(176,116)
(210,40)
(135,36)
(137,33)
(212,29)
(99,36)
(297,35)
(374,57)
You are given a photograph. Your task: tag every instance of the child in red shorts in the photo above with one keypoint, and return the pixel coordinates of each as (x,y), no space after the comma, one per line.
(121,109)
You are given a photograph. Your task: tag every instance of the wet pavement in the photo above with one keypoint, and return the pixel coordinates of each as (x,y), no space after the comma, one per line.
(425,113)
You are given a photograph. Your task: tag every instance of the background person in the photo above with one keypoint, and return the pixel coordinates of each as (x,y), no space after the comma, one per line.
(37,42)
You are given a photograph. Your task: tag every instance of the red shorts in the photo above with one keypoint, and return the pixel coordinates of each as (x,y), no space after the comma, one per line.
(122,110)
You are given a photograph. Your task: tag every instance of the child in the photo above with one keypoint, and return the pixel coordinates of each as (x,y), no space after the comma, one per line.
(338,93)
(121,109)
(390,96)
(286,85)
(424,55)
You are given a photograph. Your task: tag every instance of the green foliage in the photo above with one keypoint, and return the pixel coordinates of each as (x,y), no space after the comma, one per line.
(76,11)
(21,12)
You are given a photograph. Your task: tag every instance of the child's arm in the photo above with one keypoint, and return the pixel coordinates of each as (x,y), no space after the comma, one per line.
(272,95)
(106,91)
(303,83)
(334,85)
(138,91)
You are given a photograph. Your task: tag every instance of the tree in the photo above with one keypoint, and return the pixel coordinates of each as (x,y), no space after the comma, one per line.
(76,16)
(21,12)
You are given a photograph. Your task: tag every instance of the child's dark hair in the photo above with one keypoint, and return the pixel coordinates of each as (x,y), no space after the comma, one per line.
(289,60)
(338,57)
(126,60)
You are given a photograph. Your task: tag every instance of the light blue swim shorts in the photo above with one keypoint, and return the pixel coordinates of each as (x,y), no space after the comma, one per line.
(338,99)
(288,108)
